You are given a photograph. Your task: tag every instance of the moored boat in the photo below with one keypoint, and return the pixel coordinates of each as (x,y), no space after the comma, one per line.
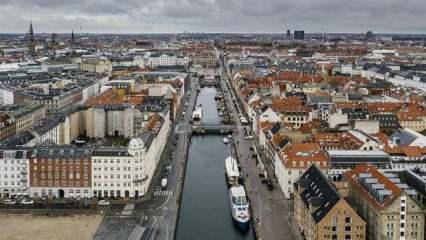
(239,207)
(197,115)
(231,170)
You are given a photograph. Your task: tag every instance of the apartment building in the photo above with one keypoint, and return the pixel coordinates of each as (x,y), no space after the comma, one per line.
(320,212)
(388,206)
(14,172)
(95,64)
(126,172)
(294,160)
(60,172)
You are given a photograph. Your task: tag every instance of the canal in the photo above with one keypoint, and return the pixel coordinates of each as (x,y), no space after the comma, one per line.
(205,211)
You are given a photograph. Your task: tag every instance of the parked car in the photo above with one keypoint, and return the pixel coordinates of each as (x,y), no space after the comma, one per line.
(164,183)
(9,202)
(103,203)
(27,201)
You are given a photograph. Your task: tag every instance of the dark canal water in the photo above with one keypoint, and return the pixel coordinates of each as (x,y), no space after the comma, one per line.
(205,212)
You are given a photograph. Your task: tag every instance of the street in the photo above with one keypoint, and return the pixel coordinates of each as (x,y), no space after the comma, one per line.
(269,207)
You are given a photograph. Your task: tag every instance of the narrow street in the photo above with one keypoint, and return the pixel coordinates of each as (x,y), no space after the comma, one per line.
(270,207)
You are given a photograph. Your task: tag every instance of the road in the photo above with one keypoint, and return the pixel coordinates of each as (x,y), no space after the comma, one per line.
(269,207)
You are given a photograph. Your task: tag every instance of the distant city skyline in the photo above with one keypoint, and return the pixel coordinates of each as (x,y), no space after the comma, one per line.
(240,16)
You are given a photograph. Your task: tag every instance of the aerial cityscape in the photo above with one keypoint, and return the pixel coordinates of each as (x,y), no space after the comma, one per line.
(201,124)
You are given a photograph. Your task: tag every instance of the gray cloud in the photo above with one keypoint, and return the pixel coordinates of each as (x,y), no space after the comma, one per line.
(139,16)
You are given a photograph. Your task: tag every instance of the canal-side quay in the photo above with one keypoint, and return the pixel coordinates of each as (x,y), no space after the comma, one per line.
(270,208)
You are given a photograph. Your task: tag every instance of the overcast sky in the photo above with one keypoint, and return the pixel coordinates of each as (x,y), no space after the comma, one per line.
(144,16)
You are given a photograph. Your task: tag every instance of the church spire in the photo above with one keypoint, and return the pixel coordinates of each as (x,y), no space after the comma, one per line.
(31,40)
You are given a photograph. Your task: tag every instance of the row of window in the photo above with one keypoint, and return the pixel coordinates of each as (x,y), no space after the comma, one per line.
(60,183)
(64,175)
(64,168)
(112,161)
(125,184)
(61,161)
(125,168)
(12,161)
(12,183)
(125,176)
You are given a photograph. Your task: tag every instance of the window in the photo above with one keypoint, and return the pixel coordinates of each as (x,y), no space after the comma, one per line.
(348,220)
(334,236)
(335,220)
(347,237)
(348,228)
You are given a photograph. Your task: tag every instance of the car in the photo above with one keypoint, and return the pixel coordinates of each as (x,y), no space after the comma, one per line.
(164,183)
(103,203)
(9,202)
(248,137)
(27,201)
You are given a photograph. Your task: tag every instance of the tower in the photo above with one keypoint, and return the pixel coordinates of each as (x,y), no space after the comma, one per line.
(288,34)
(72,36)
(31,41)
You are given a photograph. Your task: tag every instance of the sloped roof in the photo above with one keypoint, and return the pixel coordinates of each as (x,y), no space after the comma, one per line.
(318,191)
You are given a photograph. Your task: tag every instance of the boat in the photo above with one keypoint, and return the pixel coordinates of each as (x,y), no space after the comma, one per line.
(197,115)
(225,140)
(231,171)
(239,207)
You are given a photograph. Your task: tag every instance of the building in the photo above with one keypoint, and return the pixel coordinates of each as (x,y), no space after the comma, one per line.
(60,172)
(31,41)
(294,160)
(388,206)
(25,117)
(7,126)
(342,161)
(320,212)
(95,64)
(127,172)
(299,35)
(204,59)
(14,172)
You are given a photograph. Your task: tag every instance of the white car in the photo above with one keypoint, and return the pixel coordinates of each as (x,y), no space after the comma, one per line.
(27,202)
(103,203)
(9,202)
(248,137)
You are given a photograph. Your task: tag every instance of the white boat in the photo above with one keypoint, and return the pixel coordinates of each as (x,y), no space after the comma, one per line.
(225,140)
(232,172)
(197,115)
(239,207)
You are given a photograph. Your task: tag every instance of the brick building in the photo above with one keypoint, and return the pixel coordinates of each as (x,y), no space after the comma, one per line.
(62,172)
(320,211)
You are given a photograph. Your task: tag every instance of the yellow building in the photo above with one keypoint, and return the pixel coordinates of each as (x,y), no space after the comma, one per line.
(386,204)
(321,213)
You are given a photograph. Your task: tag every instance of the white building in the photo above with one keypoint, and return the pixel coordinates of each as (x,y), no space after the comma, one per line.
(7,96)
(13,172)
(127,172)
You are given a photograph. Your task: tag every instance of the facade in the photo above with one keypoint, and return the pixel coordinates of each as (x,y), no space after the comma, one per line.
(14,172)
(321,213)
(27,116)
(386,204)
(127,172)
(205,59)
(294,160)
(7,126)
(60,172)
(95,64)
